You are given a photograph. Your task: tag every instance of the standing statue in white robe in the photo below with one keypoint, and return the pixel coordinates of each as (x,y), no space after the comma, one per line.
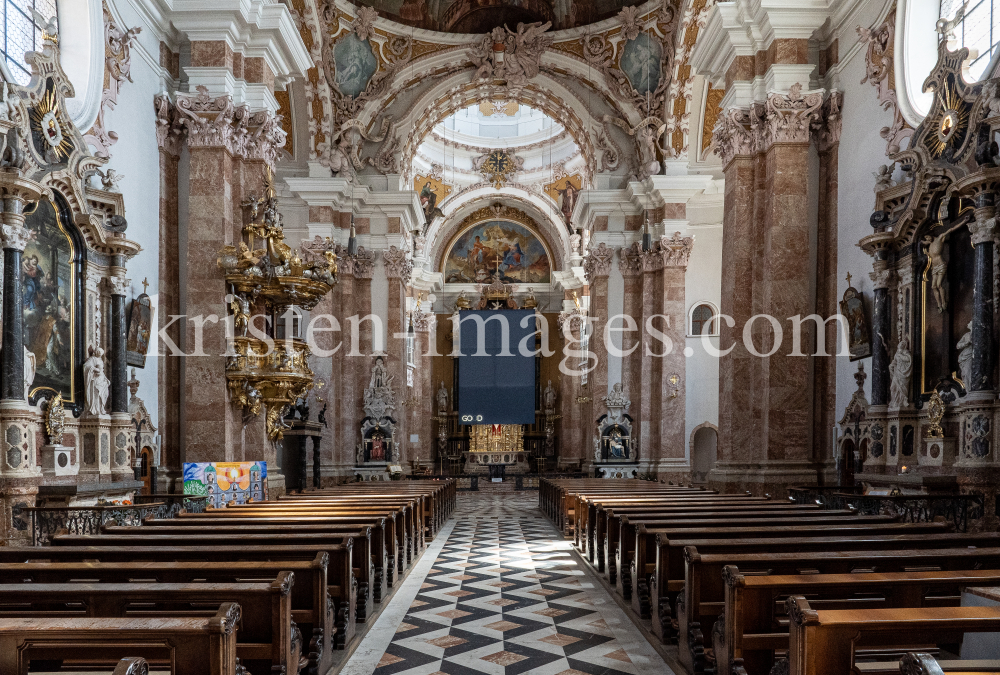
(900,371)
(97,386)
(29,369)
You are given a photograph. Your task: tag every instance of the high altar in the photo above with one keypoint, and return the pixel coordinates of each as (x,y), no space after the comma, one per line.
(496,444)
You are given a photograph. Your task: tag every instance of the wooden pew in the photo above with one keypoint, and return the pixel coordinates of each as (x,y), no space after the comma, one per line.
(311,606)
(752,627)
(739,532)
(312,543)
(191,646)
(407,537)
(825,642)
(914,663)
(341,584)
(704,572)
(383,543)
(268,640)
(636,544)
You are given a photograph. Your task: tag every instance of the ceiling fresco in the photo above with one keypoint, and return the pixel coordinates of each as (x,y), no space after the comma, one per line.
(482,16)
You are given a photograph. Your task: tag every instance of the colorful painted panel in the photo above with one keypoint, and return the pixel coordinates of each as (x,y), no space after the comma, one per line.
(497,247)
(355,64)
(641,62)
(225,482)
(48,288)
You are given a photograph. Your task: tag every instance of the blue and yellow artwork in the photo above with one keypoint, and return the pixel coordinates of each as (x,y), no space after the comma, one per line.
(502,248)
(226,482)
(354,63)
(641,62)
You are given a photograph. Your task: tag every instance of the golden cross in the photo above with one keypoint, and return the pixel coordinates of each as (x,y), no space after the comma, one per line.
(144,284)
(848,278)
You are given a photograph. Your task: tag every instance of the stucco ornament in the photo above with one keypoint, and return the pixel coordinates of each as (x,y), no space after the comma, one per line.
(520,58)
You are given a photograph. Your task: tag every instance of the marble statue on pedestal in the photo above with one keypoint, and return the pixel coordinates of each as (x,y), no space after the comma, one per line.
(549,398)
(29,371)
(442,399)
(900,371)
(965,357)
(97,386)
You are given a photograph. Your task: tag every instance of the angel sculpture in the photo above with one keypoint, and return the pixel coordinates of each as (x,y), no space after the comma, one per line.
(49,27)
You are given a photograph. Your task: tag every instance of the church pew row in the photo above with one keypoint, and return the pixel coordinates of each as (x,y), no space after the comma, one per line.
(409,542)
(187,645)
(700,589)
(383,545)
(917,663)
(268,640)
(827,642)
(697,612)
(312,608)
(753,625)
(666,551)
(669,552)
(636,539)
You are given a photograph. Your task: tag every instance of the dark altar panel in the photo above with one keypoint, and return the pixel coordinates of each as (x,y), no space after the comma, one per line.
(52,291)
(942,331)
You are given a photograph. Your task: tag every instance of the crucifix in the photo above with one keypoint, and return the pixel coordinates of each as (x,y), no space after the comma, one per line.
(848,279)
(144,284)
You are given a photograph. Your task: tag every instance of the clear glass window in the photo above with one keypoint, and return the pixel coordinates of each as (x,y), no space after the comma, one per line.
(22,34)
(979,30)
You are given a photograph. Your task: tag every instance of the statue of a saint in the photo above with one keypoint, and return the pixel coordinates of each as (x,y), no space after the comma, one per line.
(549,397)
(29,360)
(97,386)
(462,302)
(900,371)
(442,399)
(616,448)
(965,358)
(934,249)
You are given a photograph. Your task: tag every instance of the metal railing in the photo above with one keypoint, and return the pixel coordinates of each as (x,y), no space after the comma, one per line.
(958,509)
(47,521)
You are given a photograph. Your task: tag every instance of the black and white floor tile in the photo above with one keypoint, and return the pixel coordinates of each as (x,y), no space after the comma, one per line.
(500,592)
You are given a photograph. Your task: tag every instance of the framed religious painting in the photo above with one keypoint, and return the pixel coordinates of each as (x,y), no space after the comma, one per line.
(859,340)
(140,321)
(50,278)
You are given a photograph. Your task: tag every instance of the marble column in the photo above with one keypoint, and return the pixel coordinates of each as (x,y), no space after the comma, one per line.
(15,238)
(169,475)
(983,231)
(881,331)
(736,394)
(118,370)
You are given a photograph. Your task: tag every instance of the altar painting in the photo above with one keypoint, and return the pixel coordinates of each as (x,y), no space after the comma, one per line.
(226,482)
(497,248)
(47,289)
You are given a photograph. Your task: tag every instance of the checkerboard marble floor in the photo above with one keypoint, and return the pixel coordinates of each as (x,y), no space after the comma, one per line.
(500,592)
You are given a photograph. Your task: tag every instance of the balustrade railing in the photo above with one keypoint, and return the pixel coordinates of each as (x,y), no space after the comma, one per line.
(46,521)
(959,509)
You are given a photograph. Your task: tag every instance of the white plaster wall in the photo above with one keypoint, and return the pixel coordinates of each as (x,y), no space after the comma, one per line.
(136,157)
(703,283)
(861,152)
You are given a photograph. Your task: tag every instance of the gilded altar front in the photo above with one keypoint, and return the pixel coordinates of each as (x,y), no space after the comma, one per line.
(496,444)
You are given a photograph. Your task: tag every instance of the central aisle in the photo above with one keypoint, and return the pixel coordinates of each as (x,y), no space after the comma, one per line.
(505,596)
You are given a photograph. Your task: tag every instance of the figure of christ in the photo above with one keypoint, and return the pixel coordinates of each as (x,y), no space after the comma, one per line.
(934,249)
(378,450)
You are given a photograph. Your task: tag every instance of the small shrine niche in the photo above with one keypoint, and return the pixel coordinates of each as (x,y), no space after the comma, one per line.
(378,449)
(615,449)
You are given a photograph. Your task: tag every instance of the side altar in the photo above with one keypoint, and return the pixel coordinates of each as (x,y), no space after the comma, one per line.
(616,451)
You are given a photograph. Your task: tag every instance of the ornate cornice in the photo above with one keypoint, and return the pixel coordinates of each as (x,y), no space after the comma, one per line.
(598,261)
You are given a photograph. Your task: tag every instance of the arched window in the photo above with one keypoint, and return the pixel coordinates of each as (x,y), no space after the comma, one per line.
(979,30)
(701,320)
(22,34)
